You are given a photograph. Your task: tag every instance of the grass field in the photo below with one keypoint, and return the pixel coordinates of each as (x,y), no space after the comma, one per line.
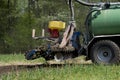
(58,72)
(11,59)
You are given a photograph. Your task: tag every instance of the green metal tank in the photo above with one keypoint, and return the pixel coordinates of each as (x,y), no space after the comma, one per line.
(105,22)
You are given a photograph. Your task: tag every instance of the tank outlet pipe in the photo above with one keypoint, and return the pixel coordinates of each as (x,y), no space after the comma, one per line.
(39,37)
(43,32)
(33,33)
(42,37)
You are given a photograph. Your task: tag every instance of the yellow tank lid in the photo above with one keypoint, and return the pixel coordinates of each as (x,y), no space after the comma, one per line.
(56,25)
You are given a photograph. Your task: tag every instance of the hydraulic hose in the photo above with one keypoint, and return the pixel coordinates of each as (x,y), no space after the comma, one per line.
(71,9)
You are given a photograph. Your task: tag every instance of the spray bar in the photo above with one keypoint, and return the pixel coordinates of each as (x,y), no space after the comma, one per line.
(42,37)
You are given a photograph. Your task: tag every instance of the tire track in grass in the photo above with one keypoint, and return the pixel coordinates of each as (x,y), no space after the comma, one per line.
(19,67)
(12,68)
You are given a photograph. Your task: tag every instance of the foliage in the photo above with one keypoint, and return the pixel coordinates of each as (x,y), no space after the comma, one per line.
(14,59)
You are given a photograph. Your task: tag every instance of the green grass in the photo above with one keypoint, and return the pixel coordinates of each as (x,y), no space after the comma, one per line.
(11,57)
(74,72)
(17,58)
(63,72)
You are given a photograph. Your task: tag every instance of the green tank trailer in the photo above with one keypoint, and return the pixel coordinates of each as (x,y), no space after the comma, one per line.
(101,40)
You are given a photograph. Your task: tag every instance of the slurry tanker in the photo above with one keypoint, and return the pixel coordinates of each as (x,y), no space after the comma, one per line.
(101,39)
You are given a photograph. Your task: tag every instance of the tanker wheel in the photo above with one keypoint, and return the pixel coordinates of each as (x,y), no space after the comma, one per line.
(105,52)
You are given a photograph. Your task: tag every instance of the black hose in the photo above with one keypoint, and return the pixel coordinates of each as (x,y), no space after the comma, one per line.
(87,25)
(71,9)
(88,16)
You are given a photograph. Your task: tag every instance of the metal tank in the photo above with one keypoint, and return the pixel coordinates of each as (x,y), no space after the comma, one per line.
(106,21)
(104,18)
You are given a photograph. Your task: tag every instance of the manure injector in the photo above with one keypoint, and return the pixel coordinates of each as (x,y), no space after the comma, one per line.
(101,40)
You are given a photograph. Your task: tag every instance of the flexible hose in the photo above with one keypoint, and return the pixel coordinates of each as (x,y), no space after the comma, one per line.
(72,10)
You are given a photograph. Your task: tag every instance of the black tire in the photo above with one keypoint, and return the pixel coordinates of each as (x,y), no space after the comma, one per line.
(105,52)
